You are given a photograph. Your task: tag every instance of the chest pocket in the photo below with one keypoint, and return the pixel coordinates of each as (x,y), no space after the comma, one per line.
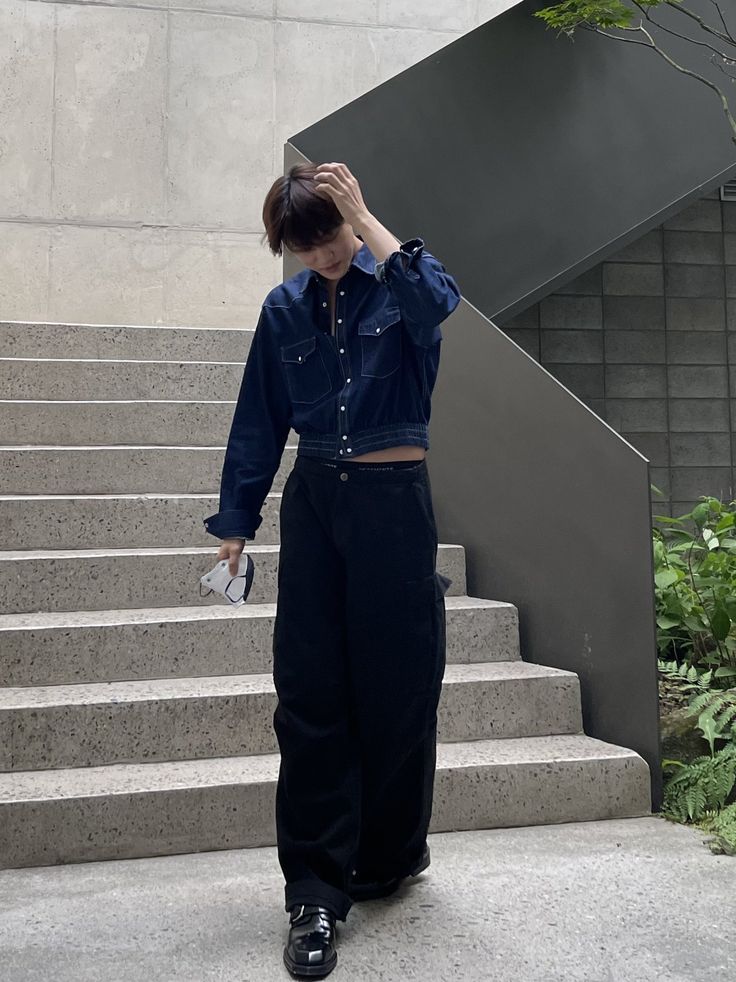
(307,377)
(380,343)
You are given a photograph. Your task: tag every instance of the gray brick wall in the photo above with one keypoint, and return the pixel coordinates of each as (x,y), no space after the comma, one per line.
(647,339)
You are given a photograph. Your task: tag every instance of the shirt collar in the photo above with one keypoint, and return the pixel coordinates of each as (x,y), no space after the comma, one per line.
(363,259)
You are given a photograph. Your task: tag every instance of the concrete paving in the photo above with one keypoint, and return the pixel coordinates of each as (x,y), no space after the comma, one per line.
(625,900)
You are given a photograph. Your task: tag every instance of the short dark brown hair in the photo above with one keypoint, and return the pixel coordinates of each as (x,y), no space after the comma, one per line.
(295,214)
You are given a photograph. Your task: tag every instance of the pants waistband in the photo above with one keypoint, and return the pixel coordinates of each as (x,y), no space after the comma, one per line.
(363,471)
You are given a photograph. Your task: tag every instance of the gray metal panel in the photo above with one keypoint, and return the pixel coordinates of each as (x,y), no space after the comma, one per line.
(523,158)
(552,507)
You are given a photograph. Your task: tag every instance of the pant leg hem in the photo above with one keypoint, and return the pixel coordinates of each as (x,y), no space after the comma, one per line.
(317,892)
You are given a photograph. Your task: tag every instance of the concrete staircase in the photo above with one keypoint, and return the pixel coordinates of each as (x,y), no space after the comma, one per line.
(135,715)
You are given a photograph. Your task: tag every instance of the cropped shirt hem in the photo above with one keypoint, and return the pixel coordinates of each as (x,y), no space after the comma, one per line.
(334,447)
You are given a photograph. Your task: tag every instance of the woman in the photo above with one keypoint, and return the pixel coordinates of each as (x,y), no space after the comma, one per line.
(346,353)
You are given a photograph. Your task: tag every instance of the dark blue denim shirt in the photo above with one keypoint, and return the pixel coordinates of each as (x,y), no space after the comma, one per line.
(366,388)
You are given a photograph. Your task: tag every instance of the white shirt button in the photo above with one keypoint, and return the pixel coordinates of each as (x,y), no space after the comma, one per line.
(342,293)
(342,351)
(347,379)
(339,320)
(349,449)
(342,408)
(324,303)
(344,436)
(378,330)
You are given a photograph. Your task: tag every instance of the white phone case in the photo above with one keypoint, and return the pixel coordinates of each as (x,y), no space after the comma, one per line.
(234,589)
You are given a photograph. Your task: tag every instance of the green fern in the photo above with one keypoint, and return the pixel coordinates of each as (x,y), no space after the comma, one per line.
(705,783)
(723,825)
(716,711)
(698,790)
(691,676)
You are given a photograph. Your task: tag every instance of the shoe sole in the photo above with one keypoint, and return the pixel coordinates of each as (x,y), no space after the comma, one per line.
(373,891)
(309,971)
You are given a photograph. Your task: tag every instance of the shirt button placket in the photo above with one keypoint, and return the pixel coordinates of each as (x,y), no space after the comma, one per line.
(343,407)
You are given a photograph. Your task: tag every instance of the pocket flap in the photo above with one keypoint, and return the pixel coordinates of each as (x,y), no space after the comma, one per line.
(299,351)
(377,324)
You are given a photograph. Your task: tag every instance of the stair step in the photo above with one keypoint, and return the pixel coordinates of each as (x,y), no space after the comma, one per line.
(90,724)
(108,422)
(118,521)
(118,378)
(141,469)
(98,579)
(70,647)
(29,339)
(116,743)
(124,811)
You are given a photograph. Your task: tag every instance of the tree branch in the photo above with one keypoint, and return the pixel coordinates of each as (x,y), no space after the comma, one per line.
(721,68)
(723,20)
(699,19)
(680,68)
(683,37)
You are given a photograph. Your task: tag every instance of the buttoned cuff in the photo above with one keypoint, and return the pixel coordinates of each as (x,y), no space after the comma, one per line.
(232,524)
(409,252)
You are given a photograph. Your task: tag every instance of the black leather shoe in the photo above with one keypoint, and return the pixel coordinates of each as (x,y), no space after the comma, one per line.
(361,889)
(310,950)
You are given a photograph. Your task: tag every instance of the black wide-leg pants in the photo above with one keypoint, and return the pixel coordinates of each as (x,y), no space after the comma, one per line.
(358,663)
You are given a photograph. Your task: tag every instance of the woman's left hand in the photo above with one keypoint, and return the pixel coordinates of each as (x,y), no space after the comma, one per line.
(336,181)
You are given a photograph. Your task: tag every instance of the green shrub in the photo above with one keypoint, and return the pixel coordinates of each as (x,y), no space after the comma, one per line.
(695,594)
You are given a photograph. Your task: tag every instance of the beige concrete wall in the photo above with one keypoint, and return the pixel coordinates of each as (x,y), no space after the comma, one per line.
(138,140)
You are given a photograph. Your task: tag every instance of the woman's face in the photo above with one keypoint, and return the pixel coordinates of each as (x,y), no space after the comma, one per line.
(332,257)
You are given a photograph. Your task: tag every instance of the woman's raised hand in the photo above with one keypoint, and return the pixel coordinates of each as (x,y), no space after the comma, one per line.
(334,180)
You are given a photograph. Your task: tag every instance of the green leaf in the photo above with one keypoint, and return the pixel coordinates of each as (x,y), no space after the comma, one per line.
(700,513)
(721,623)
(666,577)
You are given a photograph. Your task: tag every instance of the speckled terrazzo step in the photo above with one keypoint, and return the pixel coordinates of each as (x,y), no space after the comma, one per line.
(124,679)
(68,647)
(28,339)
(122,811)
(180,719)
(110,422)
(146,469)
(118,521)
(99,579)
(116,378)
